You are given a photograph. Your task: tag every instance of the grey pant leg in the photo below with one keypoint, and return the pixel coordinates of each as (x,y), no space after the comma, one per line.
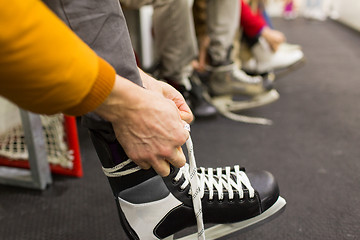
(101,24)
(174,31)
(223,20)
(136,4)
(174,37)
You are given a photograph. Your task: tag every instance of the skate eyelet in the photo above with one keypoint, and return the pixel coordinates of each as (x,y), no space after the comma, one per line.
(174,181)
(181,189)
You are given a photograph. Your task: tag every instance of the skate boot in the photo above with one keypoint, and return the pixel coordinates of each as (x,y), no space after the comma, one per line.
(192,90)
(265,60)
(152,207)
(193,93)
(230,80)
(227,82)
(289,46)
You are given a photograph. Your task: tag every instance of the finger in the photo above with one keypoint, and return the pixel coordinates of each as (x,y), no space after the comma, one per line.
(183,109)
(162,167)
(180,103)
(178,158)
(144,165)
(188,117)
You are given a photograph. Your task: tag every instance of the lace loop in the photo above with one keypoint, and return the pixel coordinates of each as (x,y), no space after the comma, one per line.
(117,170)
(234,181)
(195,188)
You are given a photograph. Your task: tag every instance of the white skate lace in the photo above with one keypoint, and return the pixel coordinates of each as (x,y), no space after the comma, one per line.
(190,174)
(232,181)
(220,181)
(114,171)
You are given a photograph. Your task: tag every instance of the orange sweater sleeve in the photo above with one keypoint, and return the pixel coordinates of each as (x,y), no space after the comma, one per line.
(44,67)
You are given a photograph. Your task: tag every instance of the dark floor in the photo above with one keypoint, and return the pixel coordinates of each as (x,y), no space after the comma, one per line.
(312,148)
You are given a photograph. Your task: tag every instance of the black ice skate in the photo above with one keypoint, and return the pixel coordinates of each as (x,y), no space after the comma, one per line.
(152,207)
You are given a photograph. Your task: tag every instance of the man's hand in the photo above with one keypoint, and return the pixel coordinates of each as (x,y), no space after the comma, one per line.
(148,123)
(168,92)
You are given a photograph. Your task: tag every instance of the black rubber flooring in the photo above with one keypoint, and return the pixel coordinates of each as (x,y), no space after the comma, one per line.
(312,148)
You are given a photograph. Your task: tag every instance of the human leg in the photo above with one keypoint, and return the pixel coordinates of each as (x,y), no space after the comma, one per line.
(102,25)
(226,78)
(222,19)
(175,45)
(151,207)
(266,44)
(160,201)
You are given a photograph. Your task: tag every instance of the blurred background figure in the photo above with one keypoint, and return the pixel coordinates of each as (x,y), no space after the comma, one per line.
(289,10)
(264,49)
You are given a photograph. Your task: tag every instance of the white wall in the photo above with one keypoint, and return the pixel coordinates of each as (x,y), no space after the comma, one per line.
(345,11)
(349,12)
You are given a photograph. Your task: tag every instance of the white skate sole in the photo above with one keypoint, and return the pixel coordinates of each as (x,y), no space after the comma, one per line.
(222,230)
(281,73)
(227,107)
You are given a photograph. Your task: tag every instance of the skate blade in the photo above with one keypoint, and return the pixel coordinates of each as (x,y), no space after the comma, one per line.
(246,119)
(222,230)
(258,101)
(280,73)
(226,106)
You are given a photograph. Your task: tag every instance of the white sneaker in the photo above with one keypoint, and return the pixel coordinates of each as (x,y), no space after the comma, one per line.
(265,60)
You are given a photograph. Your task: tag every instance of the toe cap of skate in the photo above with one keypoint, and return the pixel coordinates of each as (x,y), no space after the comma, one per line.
(266,186)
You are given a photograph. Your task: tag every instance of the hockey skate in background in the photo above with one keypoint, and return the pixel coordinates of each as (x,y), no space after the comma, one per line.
(230,105)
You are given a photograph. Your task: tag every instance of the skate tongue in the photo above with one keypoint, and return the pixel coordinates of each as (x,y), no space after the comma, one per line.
(195,187)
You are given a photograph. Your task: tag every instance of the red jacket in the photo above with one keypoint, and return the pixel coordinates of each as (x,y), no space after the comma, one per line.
(251,23)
